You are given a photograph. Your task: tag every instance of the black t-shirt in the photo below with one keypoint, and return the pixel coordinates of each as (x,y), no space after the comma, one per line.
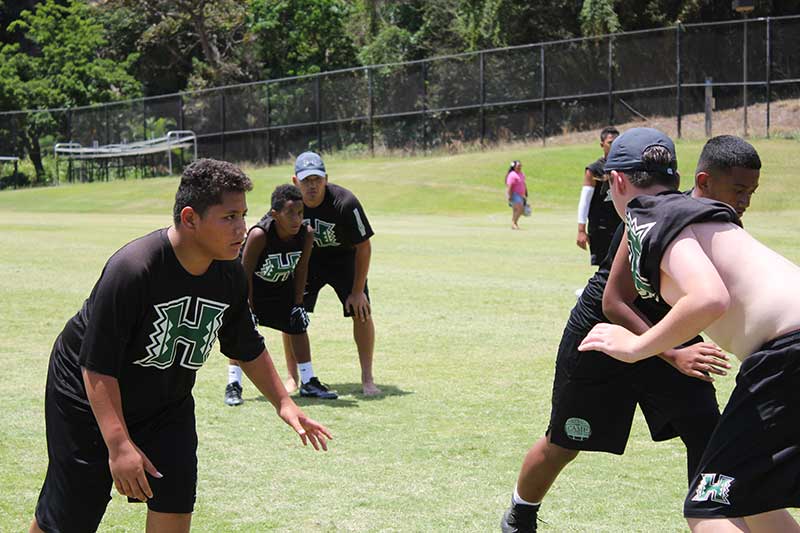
(602,215)
(339,223)
(151,325)
(274,274)
(653,222)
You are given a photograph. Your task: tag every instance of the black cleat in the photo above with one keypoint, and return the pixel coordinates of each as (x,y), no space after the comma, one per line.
(315,389)
(519,518)
(233,394)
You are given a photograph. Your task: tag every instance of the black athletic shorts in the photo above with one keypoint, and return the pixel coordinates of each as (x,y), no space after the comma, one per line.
(338,273)
(599,240)
(752,463)
(274,312)
(595,396)
(78,484)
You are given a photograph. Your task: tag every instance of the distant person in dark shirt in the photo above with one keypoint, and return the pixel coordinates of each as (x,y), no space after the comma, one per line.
(597,218)
(275,260)
(341,258)
(118,406)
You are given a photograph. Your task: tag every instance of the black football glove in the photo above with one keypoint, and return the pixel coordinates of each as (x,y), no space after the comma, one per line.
(298,318)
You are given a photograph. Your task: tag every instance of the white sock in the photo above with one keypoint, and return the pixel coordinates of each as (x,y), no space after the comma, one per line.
(517,499)
(306,372)
(234,374)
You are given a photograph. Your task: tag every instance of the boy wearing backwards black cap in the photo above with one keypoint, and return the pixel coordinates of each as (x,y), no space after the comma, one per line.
(694,255)
(594,397)
(275,257)
(341,258)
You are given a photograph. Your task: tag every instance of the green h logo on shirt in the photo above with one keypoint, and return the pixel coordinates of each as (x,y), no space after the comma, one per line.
(324,235)
(275,269)
(716,491)
(174,330)
(636,234)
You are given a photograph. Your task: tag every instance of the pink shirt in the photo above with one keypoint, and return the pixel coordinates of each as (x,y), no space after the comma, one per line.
(516,180)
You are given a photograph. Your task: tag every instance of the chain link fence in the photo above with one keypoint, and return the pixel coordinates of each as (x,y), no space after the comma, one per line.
(523,93)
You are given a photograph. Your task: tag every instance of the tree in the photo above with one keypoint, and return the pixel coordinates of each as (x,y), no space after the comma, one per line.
(67,65)
(598,18)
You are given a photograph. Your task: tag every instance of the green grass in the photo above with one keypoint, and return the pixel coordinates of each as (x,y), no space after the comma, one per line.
(468,317)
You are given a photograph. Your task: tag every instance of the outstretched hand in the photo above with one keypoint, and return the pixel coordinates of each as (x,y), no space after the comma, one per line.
(309,430)
(613,340)
(699,360)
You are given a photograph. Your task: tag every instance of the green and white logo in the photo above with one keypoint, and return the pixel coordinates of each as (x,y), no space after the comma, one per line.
(324,235)
(716,491)
(577,429)
(636,235)
(278,267)
(175,331)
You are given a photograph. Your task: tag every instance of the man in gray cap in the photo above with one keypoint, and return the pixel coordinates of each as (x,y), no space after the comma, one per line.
(341,258)
(693,254)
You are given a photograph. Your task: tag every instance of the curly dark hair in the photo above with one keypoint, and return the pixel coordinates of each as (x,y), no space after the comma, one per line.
(203,183)
(284,193)
(724,152)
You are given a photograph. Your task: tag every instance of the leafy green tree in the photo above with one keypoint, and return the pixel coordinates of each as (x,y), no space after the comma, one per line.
(61,60)
(598,18)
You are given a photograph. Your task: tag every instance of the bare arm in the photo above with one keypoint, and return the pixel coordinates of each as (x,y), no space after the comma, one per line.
(253,246)
(301,270)
(687,270)
(357,301)
(262,373)
(126,461)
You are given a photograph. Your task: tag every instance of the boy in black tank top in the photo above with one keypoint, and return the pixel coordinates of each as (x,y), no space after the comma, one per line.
(275,257)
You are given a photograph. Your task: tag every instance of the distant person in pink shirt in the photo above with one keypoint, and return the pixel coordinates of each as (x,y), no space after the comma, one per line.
(516,192)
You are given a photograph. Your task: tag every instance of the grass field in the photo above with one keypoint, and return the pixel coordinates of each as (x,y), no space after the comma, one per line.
(468,317)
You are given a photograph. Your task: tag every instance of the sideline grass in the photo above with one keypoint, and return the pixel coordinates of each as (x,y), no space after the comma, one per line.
(468,316)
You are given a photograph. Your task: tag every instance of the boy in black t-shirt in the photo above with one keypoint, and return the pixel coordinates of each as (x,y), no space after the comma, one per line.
(118,405)
(597,218)
(275,259)
(341,258)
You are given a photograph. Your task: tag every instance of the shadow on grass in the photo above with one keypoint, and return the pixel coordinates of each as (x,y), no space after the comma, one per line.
(350,395)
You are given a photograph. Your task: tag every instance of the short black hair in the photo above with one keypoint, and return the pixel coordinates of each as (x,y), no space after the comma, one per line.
(724,152)
(608,130)
(284,193)
(203,183)
(658,156)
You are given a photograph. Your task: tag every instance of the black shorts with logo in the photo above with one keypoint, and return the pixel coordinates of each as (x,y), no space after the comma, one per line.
(752,462)
(274,312)
(595,397)
(339,273)
(78,483)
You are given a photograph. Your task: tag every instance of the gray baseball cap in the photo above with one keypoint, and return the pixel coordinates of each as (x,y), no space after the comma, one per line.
(627,149)
(309,164)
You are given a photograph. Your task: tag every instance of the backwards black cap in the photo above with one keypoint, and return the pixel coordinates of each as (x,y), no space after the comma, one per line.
(627,150)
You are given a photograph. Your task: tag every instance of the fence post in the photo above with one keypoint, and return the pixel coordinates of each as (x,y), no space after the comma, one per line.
(144,121)
(425,106)
(610,79)
(180,113)
(678,106)
(543,91)
(222,116)
(317,111)
(482,97)
(269,126)
(744,74)
(709,105)
(769,68)
(370,113)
